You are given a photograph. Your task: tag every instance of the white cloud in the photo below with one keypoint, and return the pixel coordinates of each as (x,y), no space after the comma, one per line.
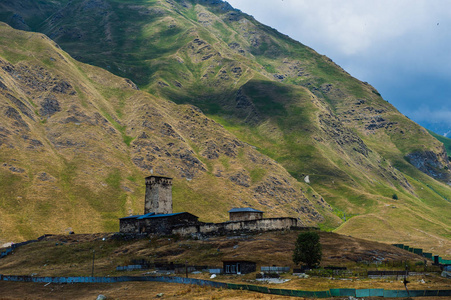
(399,46)
(347,26)
(425,114)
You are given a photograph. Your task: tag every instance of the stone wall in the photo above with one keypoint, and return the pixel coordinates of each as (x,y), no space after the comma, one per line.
(245,216)
(187,225)
(165,225)
(128,226)
(158,225)
(239,227)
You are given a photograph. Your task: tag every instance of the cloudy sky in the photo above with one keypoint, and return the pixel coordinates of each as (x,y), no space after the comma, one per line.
(402,48)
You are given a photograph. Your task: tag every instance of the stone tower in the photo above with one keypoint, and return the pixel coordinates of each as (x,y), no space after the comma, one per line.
(158,195)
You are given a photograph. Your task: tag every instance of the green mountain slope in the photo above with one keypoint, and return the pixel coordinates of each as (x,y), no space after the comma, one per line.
(446,141)
(77,141)
(273,93)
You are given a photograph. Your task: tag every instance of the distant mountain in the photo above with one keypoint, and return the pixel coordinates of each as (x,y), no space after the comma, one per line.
(334,134)
(442,129)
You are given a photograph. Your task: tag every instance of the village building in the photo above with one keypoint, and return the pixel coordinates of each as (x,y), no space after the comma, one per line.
(158,217)
(239,267)
(245,214)
(157,223)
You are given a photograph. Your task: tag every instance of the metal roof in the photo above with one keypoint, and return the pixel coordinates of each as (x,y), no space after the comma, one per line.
(155,176)
(153,215)
(244,209)
(146,215)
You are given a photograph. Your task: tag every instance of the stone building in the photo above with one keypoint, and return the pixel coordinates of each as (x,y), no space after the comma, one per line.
(158,195)
(157,223)
(158,217)
(245,214)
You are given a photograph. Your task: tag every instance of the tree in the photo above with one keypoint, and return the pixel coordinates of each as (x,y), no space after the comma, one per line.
(307,249)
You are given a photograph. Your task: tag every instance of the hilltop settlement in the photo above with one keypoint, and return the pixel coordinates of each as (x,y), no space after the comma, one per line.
(159,218)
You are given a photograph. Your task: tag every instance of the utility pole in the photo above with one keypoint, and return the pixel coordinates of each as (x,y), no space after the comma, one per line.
(93,258)
(405,281)
(186,268)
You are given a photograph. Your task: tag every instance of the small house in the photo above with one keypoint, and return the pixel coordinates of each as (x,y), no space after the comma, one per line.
(239,267)
(245,214)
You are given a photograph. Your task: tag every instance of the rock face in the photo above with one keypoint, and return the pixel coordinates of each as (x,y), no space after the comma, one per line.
(434,164)
(49,107)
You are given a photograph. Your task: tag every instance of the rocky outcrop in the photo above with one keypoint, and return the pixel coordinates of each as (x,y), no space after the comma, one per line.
(49,107)
(18,121)
(433,164)
(240,178)
(21,106)
(343,136)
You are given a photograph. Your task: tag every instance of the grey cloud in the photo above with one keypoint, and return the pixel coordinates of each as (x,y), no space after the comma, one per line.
(400,47)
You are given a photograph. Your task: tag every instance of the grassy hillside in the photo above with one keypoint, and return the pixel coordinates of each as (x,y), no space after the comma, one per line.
(446,141)
(71,255)
(278,96)
(77,142)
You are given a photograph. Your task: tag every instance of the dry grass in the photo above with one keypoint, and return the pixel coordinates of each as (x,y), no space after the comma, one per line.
(73,256)
(135,290)
(139,290)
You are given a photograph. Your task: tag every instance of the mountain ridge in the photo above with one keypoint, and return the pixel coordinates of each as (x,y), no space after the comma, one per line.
(76,118)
